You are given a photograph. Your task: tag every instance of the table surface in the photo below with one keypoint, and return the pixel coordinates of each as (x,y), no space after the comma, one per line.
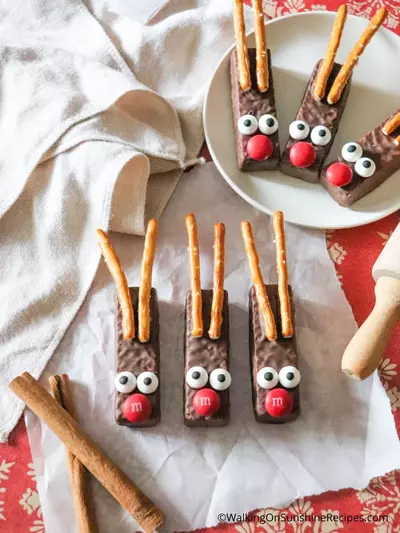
(353,251)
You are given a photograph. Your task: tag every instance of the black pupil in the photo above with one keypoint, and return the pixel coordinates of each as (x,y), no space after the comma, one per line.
(366,164)
(270,122)
(147,381)
(268,376)
(322,133)
(196,375)
(352,148)
(123,380)
(290,376)
(247,122)
(300,126)
(221,378)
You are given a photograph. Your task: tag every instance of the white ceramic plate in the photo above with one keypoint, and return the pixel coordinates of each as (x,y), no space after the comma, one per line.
(296,43)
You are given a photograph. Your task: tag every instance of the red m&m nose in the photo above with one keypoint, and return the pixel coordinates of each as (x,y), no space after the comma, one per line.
(260,147)
(137,408)
(302,154)
(206,402)
(339,174)
(278,402)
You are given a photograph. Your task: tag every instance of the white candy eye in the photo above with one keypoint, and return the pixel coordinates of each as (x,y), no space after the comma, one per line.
(365,167)
(196,377)
(125,382)
(320,136)
(299,130)
(247,125)
(268,124)
(289,377)
(351,152)
(267,377)
(147,382)
(220,379)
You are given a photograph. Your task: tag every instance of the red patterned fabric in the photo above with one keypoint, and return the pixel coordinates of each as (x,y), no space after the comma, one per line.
(354,252)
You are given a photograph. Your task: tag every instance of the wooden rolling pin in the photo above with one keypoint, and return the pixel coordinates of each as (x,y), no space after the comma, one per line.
(367,348)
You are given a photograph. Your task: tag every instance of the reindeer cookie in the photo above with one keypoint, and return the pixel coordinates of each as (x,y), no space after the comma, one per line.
(137,380)
(206,344)
(366,164)
(275,375)
(317,121)
(253,98)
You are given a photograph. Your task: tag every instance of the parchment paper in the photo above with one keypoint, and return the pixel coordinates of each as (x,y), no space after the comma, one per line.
(194,474)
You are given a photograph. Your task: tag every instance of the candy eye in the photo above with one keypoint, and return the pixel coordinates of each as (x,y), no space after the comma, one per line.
(299,130)
(147,382)
(289,377)
(196,377)
(365,167)
(320,136)
(351,152)
(125,382)
(268,124)
(247,125)
(267,377)
(220,379)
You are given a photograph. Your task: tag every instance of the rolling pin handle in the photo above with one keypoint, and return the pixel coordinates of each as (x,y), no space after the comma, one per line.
(366,349)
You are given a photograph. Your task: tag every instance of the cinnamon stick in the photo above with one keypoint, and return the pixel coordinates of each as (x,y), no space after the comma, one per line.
(88,453)
(79,476)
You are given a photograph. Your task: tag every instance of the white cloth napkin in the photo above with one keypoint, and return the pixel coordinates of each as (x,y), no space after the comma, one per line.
(99,115)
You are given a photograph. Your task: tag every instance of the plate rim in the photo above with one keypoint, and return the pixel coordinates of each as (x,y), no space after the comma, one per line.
(227,178)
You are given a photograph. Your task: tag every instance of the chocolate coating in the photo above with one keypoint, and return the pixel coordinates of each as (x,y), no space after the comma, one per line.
(316,114)
(209,354)
(385,154)
(255,103)
(276,354)
(137,357)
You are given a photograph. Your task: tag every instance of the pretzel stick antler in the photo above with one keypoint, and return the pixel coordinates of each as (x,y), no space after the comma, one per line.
(123,294)
(352,60)
(392,124)
(326,66)
(283,289)
(218,285)
(261,47)
(241,45)
(197,315)
(146,272)
(258,282)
